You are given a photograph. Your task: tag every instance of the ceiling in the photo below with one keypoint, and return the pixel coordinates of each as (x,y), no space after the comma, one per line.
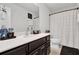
(30,7)
(59,6)
(51,6)
(33,7)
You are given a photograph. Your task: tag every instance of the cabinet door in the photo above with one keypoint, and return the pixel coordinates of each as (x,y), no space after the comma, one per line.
(35,52)
(35,44)
(48,50)
(48,46)
(17,51)
(43,49)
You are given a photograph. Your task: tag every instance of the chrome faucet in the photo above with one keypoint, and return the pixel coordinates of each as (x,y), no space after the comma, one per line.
(29,30)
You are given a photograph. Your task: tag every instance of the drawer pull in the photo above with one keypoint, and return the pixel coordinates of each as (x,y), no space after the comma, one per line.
(42,47)
(35,53)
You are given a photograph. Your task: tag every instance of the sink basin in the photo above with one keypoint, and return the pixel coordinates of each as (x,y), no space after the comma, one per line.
(30,35)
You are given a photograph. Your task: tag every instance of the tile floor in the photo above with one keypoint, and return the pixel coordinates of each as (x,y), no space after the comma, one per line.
(55,51)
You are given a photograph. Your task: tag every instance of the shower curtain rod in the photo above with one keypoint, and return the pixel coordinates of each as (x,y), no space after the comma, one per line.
(36,17)
(64,11)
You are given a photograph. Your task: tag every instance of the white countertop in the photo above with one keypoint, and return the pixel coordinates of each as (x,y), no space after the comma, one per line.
(19,40)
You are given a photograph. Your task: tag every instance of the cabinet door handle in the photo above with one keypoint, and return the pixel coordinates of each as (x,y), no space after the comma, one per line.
(35,53)
(42,47)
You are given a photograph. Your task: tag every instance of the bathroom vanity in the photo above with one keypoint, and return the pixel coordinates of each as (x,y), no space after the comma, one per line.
(36,44)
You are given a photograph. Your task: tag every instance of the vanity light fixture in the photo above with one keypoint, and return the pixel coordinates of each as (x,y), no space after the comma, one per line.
(3,8)
(3,12)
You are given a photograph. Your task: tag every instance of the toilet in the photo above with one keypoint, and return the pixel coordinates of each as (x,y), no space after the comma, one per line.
(55,46)
(55,43)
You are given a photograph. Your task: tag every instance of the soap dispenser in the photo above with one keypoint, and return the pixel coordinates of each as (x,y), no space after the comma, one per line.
(3,32)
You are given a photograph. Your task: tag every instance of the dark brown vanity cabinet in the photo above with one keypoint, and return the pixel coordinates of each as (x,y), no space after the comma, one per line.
(40,50)
(37,47)
(43,50)
(40,46)
(36,44)
(35,52)
(48,38)
(22,50)
(48,47)
(48,44)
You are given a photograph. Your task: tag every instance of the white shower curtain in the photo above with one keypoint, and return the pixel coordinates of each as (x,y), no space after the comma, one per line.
(64,26)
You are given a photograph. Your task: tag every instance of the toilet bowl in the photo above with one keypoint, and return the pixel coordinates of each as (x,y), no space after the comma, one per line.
(55,43)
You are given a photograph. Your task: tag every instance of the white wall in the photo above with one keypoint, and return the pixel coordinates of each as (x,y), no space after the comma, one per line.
(18,17)
(43,18)
(19,20)
(36,23)
(5,17)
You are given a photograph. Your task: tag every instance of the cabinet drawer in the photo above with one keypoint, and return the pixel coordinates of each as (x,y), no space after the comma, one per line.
(22,50)
(35,44)
(43,49)
(35,52)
